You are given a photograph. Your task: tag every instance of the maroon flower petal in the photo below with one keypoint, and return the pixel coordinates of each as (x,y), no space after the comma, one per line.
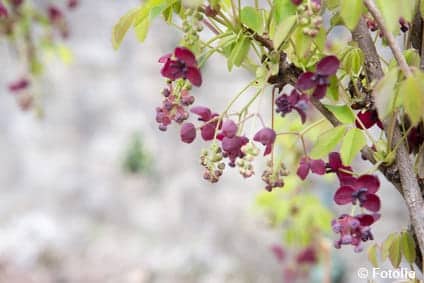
(232,144)
(372,203)
(204,112)
(165,58)
(343,195)
(268,149)
(305,81)
(185,55)
(334,161)
(368,119)
(207,131)
(194,76)
(370,182)
(365,219)
(19,85)
(229,128)
(265,136)
(170,71)
(303,169)
(320,92)
(278,252)
(318,166)
(328,66)
(3,11)
(188,132)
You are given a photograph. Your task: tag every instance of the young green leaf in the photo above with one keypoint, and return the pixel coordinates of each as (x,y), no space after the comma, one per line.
(343,113)
(353,142)
(372,255)
(282,10)
(408,247)
(252,18)
(412,92)
(239,52)
(351,11)
(282,30)
(384,93)
(327,142)
(353,60)
(386,246)
(122,27)
(395,254)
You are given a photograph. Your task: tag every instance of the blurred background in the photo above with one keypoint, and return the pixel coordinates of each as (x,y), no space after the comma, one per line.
(73,210)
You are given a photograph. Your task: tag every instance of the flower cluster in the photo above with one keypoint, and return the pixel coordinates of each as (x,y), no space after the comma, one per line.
(181,70)
(357,191)
(229,145)
(309,16)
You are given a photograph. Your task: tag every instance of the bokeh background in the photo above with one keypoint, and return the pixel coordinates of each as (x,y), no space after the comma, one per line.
(70,213)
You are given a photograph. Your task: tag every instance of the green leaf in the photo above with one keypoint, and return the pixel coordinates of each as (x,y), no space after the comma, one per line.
(395,255)
(252,18)
(327,142)
(351,11)
(353,142)
(239,52)
(282,10)
(384,93)
(283,30)
(342,112)
(412,92)
(386,246)
(122,27)
(407,244)
(353,60)
(142,29)
(391,11)
(372,255)
(303,44)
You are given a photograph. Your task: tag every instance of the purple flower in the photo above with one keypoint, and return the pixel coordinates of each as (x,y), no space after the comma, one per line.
(286,103)
(278,252)
(3,10)
(208,129)
(181,64)
(188,132)
(307,256)
(266,137)
(231,147)
(319,81)
(54,13)
(306,164)
(368,119)
(297,2)
(72,4)
(363,190)
(416,138)
(353,230)
(229,128)
(19,85)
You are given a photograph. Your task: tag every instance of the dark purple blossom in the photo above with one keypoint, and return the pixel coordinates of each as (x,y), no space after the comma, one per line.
(3,10)
(19,85)
(368,119)
(54,13)
(72,4)
(295,101)
(416,138)
(360,190)
(307,164)
(319,81)
(188,132)
(207,130)
(353,230)
(297,2)
(278,252)
(181,64)
(266,136)
(307,256)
